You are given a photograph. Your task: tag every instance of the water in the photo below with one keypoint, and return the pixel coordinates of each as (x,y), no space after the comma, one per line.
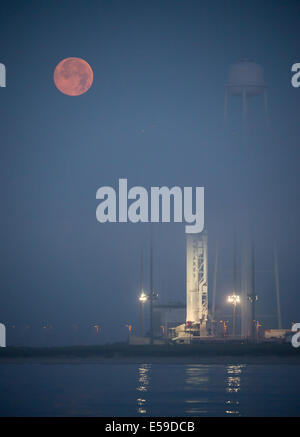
(149,390)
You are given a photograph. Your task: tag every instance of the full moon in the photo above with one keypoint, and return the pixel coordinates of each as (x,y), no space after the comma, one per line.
(73,76)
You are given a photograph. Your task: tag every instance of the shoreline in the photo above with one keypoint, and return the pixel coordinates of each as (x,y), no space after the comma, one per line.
(120,353)
(213,360)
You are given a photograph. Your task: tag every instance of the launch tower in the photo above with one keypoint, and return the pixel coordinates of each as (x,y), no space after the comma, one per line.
(196,281)
(196,290)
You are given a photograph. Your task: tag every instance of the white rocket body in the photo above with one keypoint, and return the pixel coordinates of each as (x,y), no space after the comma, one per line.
(196,279)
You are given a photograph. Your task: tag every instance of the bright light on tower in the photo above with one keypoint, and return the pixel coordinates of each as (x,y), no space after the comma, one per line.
(234,299)
(143,297)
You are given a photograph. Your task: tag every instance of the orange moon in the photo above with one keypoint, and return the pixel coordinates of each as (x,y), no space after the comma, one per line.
(73,76)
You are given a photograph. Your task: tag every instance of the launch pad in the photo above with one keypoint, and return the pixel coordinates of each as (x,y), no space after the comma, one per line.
(188,334)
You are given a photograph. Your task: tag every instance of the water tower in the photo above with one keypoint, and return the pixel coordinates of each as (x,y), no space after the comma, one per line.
(245,80)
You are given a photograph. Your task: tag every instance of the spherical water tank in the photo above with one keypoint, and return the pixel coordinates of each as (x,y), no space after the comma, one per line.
(246,75)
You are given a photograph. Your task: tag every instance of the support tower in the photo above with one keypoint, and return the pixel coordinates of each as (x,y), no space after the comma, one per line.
(196,282)
(196,291)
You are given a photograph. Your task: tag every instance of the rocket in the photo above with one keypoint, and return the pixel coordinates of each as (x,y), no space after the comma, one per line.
(196,279)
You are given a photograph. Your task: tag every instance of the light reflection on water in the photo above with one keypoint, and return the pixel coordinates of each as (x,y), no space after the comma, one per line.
(200,382)
(233,387)
(155,390)
(197,380)
(142,388)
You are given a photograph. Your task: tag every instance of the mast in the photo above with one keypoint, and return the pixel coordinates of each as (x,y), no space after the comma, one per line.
(141,294)
(253,294)
(151,290)
(214,287)
(234,281)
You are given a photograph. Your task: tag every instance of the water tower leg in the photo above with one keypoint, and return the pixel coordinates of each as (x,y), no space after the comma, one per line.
(245,291)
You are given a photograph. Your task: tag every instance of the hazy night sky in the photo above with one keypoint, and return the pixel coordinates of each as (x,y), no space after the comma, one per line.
(153,115)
